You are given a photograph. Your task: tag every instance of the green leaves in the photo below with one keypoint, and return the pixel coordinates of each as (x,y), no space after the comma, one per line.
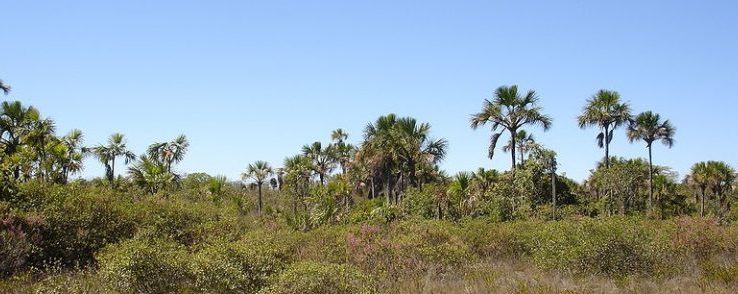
(512,111)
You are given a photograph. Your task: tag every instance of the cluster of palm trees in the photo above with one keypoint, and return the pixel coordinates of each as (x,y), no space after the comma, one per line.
(510,110)
(30,148)
(712,179)
(397,153)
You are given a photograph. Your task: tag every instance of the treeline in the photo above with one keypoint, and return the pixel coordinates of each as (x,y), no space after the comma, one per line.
(51,222)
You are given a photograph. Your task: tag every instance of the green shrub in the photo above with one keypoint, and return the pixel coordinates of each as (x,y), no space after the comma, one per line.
(242,266)
(321,278)
(138,266)
(726,274)
(502,240)
(77,226)
(179,220)
(613,248)
(432,244)
(74,282)
(406,248)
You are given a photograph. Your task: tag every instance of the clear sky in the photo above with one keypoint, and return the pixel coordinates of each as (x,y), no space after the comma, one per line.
(255,80)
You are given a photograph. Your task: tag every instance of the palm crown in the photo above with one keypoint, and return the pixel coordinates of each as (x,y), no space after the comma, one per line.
(605,111)
(510,111)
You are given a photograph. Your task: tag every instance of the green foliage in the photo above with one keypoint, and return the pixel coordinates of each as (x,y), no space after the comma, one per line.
(320,278)
(77,226)
(613,248)
(178,220)
(140,266)
(243,266)
(74,282)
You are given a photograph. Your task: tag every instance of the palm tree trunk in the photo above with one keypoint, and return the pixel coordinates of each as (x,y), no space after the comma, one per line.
(260,203)
(112,173)
(553,192)
(374,192)
(388,188)
(512,151)
(650,178)
(607,147)
(702,205)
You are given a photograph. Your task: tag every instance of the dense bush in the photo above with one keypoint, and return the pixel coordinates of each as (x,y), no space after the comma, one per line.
(75,228)
(19,238)
(14,250)
(243,266)
(321,278)
(175,219)
(139,266)
(613,248)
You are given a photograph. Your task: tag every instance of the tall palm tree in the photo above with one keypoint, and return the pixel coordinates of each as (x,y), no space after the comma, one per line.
(701,177)
(39,134)
(297,172)
(605,111)
(523,140)
(4,87)
(399,151)
(648,127)
(107,155)
(169,152)
(16,121)
(721,183)
(258,171)
(339,136)
(75,153)
(509,111)
(342,151)
(323,161)
(415,147)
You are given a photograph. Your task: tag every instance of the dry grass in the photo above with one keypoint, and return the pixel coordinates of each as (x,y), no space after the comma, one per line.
(522,277)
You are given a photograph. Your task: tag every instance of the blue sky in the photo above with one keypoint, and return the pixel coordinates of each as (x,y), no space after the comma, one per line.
(255,80)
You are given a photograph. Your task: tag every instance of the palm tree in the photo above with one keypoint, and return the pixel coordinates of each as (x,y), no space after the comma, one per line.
(701,177)
(341,150)
(4,87)
(415,147)
(74,152)
(16,121)
(648,127)
(39,134)
(460,189)
(721,183)
(524,142)
(604,110)
(399,150)
(484,179)
(510,111)
(323,162)
(258,171)
(169,152)
(297,172)
(107,155)
(150,174)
